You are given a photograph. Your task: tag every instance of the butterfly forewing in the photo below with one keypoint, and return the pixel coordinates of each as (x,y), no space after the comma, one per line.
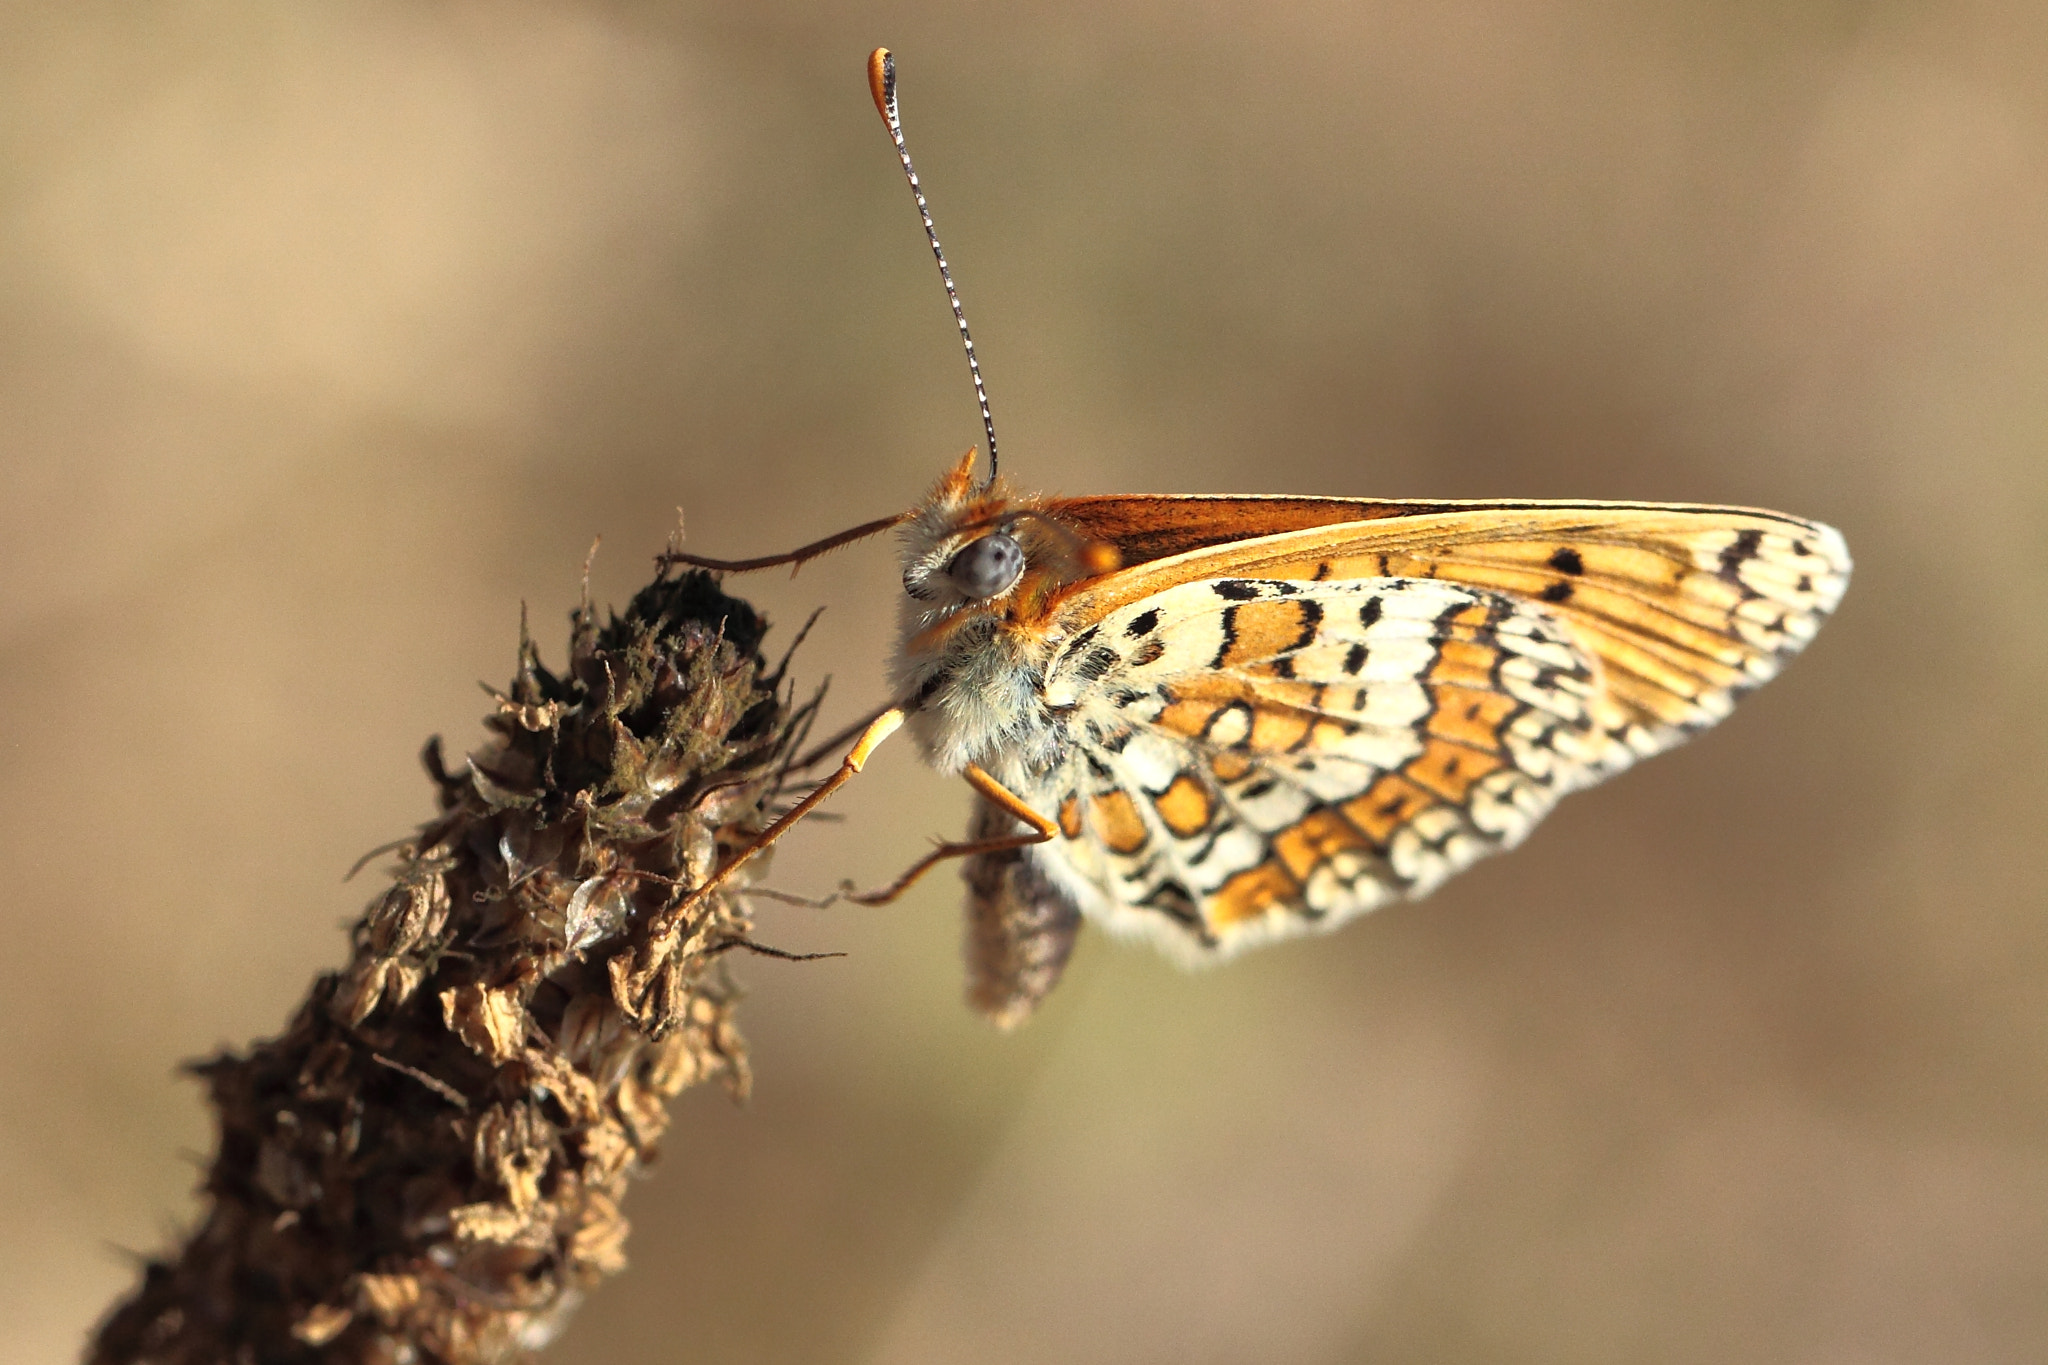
(1683,607)
(1271,735)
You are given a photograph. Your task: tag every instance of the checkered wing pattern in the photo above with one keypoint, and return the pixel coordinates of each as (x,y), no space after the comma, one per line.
(1256,757)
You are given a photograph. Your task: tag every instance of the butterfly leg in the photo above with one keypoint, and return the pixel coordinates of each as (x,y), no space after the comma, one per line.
(878,729)
(1042,831)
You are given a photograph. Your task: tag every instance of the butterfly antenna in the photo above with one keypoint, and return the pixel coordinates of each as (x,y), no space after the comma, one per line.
(882,82)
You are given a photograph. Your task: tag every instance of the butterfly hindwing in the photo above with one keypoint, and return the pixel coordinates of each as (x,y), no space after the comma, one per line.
(1261,757)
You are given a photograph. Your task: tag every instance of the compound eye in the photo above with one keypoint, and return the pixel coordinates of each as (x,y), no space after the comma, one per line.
(988,567)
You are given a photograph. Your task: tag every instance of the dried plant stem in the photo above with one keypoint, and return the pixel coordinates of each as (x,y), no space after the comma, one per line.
(427,1165)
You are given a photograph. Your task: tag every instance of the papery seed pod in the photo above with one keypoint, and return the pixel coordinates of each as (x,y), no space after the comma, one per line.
(600,909)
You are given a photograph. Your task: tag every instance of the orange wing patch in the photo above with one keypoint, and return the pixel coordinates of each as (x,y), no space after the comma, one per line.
(1260,630)
(1231,766)
(1118,824)
(1214,709)
(1315,839)
(1389,804)
(1463,658)
(1449,769)
(1250,894)
(1186,806)
(1227,711)
(1070,816)
(1469,716)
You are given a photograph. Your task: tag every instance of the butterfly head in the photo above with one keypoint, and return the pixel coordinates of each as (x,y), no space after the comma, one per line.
(961,546)
(983,568)
(986,546)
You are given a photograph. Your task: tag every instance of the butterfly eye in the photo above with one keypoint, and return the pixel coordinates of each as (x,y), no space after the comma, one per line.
(988,567)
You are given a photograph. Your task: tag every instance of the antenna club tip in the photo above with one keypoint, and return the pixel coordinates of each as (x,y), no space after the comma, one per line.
(882,79)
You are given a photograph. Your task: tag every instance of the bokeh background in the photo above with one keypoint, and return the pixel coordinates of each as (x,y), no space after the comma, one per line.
(334,333)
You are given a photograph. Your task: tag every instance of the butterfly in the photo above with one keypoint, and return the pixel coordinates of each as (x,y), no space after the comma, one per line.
(1215,722)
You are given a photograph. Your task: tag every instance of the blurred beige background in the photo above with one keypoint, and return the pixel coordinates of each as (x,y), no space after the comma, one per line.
(333,333)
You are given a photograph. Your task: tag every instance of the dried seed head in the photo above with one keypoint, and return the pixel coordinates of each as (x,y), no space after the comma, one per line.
(428,1164)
